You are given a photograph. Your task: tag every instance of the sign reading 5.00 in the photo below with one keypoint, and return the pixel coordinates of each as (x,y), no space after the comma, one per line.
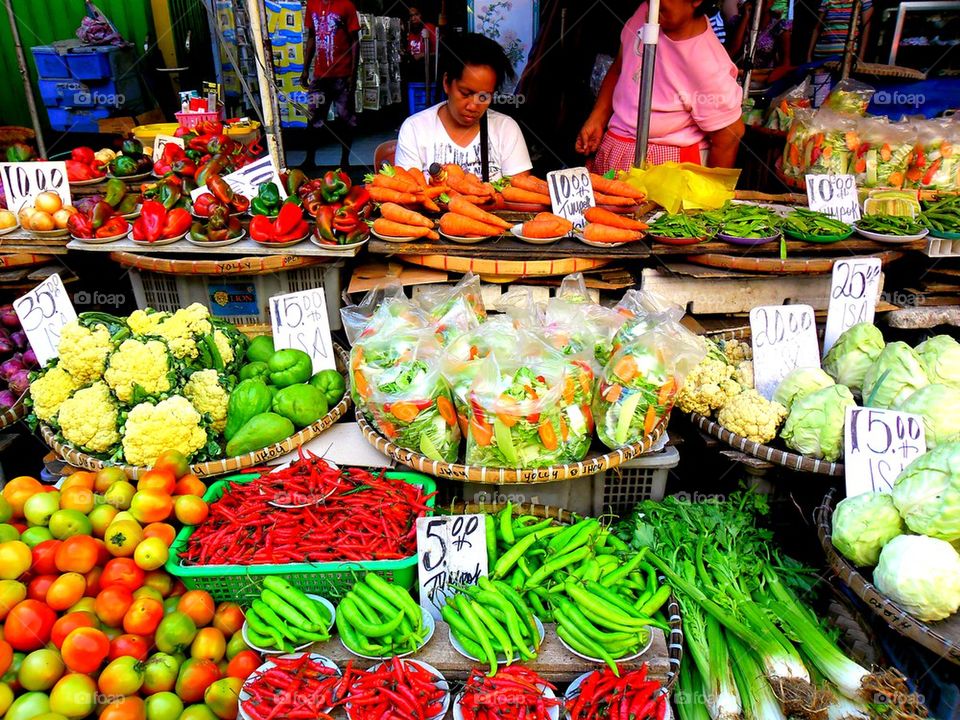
(452,550)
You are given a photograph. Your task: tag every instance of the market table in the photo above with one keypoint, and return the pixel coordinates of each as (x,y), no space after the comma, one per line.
(246,246)
(22,241)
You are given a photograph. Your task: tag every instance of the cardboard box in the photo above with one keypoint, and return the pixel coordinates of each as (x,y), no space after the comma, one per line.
(124,125)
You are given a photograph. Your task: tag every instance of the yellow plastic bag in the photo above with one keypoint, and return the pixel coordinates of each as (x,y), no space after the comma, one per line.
(684,186)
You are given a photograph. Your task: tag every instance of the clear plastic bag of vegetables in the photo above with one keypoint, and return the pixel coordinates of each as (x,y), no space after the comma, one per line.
(638,387)
(935,164)
(850,97)
(454,310)
(793,165)
(464,356)
(831,146)
(782,109)
(523,413)
(883,154)
(644,311)
(405,395)
(385,309)
(521,307)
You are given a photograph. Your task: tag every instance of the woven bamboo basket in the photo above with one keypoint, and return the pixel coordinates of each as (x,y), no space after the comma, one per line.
(17,412)
(226,266)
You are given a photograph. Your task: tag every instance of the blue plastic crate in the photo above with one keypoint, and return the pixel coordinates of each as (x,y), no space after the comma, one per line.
(418,98)
(50,65)
(91,63)
(68,120)
(58,93)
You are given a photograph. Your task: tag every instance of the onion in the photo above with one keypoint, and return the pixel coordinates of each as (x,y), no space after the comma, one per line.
(30,358)
(7,399)
(20,338)
(11,367)
(8,317)
(87,203)
(20,382)
(6,346)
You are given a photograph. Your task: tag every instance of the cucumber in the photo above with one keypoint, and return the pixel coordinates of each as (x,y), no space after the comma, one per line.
(429,449)
(627,410)
(502,433)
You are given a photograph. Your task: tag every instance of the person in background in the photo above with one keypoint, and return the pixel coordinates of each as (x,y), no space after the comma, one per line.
(331,48)
(417,45)
(451,131)
(833,24)
(696,99)
(773,41)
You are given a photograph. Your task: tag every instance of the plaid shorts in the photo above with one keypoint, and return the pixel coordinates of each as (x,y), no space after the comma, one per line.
(325,92)
(616,153)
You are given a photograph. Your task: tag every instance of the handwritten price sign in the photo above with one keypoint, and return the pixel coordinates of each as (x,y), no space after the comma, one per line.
(161,141)
(835,195)
(878,444)
(22,182)
(43,312)
(246,181)
(300,321)
(853,296)
(571,193)
(451,550)
(784,338)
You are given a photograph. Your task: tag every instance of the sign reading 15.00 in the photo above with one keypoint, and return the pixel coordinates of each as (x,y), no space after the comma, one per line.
(300,321)
(878,444)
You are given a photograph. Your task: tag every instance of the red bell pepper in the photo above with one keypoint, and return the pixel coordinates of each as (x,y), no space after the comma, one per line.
(300,229)
(240,203)
(153,217)
(205,204)
(80,226)
(83,155)
(114,226)
(288,218)
(346,220)
(178,221)
(325,224)
(220,189)
(261,228)
(358,198)
(78,171)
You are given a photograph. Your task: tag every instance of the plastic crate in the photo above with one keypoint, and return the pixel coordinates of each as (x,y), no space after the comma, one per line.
(86,121)
(418,98)
(242,583)
(73,93)
(241,300)
(942,247)
(50,64)
(192,119)
(92,63)
(928,674)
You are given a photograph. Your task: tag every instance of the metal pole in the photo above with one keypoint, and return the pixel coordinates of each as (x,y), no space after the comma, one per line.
(851,45)
(215,41)
(425,36)
(649,35)
(25,76)
(268,92)
(752,48)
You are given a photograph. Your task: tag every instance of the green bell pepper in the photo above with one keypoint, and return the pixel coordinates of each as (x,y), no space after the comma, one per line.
(301,404)
(248,399)
(269,194)
(259,207)
(259,431)
(116,189)
(331,383)
(260,349)
(289,367)
(128,204)
(123,165)
(256,370)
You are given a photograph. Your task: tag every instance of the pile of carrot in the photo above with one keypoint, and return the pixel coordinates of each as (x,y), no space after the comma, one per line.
(397,221)
(546,225)
(465,219)
(614,192)
(527,189)
(405,187)
(605,226)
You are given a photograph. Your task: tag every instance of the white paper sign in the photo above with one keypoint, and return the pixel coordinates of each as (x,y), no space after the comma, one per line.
(853,296)
(451,550)
(161,141)
(835,195)
(878,444)
(300,321)
(43,312)
(571,193)
(246,181)
(22,182)
(784,338)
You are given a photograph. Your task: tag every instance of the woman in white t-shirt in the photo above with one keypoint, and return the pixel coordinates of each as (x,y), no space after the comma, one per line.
(452,131)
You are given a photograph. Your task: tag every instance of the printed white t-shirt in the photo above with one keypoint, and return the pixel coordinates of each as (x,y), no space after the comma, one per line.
(423,141)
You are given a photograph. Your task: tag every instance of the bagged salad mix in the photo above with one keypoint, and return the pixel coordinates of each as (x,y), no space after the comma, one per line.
(454,310)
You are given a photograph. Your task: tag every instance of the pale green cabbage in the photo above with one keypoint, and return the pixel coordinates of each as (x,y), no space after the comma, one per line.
(863,524)
(939,406)
(814,426)
(895,375)
(857,348)
(800,382)
(921,574)
(927,493)
(941,357)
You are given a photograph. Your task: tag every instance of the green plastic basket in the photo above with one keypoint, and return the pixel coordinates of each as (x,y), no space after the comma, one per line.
(242,583)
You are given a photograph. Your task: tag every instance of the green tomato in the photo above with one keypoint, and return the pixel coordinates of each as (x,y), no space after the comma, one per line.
(39,508)
(196,712)
(66,523)
(35,535)
(164,706)
(28,706)
(8,533)
(41,670)
(74,696)
(6,510)
(236,645)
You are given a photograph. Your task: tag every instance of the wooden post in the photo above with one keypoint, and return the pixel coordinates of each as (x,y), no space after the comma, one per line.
(268,91)
(25,76)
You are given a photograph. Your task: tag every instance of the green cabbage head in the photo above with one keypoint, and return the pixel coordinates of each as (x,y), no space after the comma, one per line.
(814,426)
(921,574)
(863,524)
(939,406)
(927,493)
(895,375)
(857,348)
(800,382)
(941,357)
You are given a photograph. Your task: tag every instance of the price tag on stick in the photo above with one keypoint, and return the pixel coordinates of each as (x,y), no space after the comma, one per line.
(571,193)
(834,195)
(22,182)
(300,321)
(43,312)
(878,445)
(246,181)
(784,338)
(451,550)
(853,296)
(161,141)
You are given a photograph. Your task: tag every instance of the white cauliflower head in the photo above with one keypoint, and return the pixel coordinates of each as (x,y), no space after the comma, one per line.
(88,419)
(49,391)
(172,424)
(83,352)
(143,363)
(204,390)
(753,416)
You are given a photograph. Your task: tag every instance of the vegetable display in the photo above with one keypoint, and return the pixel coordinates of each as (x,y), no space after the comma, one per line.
(743,220)
(288,226)
(898,225)
(680,226)
(130,161)
(220,226)
(17,361)
(395,690)
(294,684)
(515,691)
(810,223)
(942,215)
(83,165)
(606,696)
(378,619)
(283,617)
(156,222)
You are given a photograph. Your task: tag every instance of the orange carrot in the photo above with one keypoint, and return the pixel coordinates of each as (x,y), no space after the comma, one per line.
(435,191)
(518,195)
(462,207)
(611,219)
(428,204)
(404,174)
(417,175)
(465,186)
(433,235)
(541,229)
(453,170)
(615,187)
(382,194)
(474,199)
(394,183)
(391,228)
(531,183)
(617,200)
(463,226)
(398,213)
(556,219)
(605,233)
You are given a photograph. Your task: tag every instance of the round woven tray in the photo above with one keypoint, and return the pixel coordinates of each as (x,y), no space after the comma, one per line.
(227,266)
(227,465)
(505,270)
(790,266)
(23,260)
(942,638)
(594,462)
(674,642)
(17,412)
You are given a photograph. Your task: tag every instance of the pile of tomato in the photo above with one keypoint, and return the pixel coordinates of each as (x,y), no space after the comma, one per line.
(90,624)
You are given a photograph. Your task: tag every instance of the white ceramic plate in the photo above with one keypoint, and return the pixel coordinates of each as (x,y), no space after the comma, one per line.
(331,610)
(134,214)
(7,231)
(336,248)
(554,712)
(219,243)
(288,243)
(390,238)
(244,694)
(59,232)
(464,240)
(158,243)
(625,658)
(518,228)
(428,622)
(138,176)
(441,683)
(579,236)
(84,183)
(101,241)
(501,659)
(892,239)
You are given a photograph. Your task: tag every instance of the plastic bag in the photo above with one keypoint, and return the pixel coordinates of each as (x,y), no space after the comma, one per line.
(519,305)
(935,164)
(783,108)
(383,309)
(638,387)
(883,154)
(454,310)
(398,385)
(793,165)
(463,357)
(850,96)
(676,186)
(644,310)
(830,149)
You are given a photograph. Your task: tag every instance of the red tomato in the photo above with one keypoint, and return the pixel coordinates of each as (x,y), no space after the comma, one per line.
(43,562)
(77,553)
(129,645)
(126,708)
(103,554)
(66,591)
(112,604)
(196,675)
(68,623)
(172,462)
(210,644)
(198,605)
(93,582)
(85,649)
(38,587)
(228,618)
(6,657)
(155,479)
(122,571)
(28,625)
(160,581)
(143,616)
(243,664)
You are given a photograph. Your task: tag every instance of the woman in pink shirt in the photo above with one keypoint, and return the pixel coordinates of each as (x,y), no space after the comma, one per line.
(696,98)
